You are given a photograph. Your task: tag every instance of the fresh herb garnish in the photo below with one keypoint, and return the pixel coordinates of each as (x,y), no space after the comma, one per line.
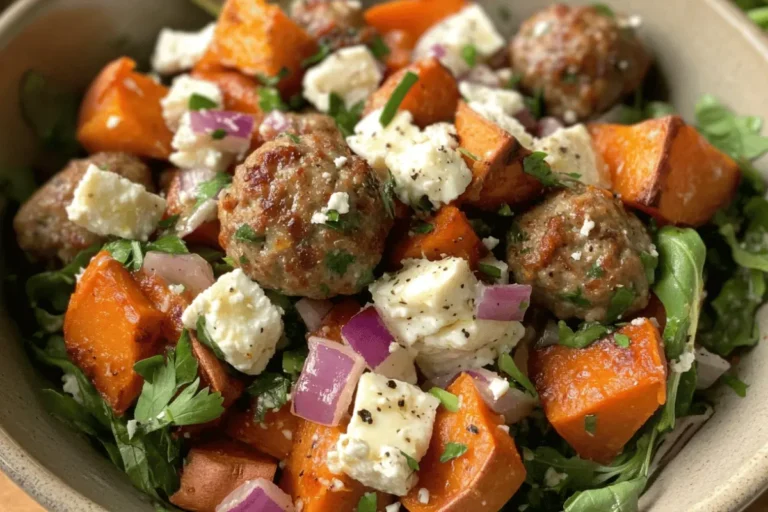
(130,253)
(346,119)
(469,154)
(168,222)
(323,51)
(489,270)
(469,54)
(209,189)
(422,228)
(576,298)
(204,337)
(585,335)
(219,134)
(293,361)
(449,400)
(621,300)
(590,424)
(535,165)
(452,451)
(505,211)
(200,102)
(398,95)
(379,48)
(595,271)
(245,233)
(621,340)
(413,464)
(736,384)
(270,391)
(338,261)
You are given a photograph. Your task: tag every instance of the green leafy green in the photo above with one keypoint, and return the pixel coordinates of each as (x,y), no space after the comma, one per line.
(338,261)
(51,113)
(508,366)
(200,102)
(379,48)
(489,270)
(449,400)
(737,385)
(270,100)
(270,391)
(53,288)
(204,337)
(576,298)
(622,340)
(422,228)
(209,189)
(398,95)
(293,361)
(590,424)
(219,134)
(413,464)
(469,54)
(621,300)
(619,497)
(452,451)
(245,233)
(535,165)
(130,253)
(595,271)
(323,51)
(505,211)
(368,503)
(346,119)
(585,335)
(739,136)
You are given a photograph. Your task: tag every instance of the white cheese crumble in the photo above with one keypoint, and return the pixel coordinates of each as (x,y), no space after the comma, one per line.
(469,27)
(587,227)
(113,122)
(429,307)
(176,103)
(340,161)
(196,150)
(553,478)
(490,242)
(684,362)
(570,150)
(510,102)
(498,388)
(240,319)
(390,418)
(423,495)
(352,73)
(176,289)
(339,202)
(395,507)
(71,387)
(423,163)
(576,256)
(506,122)
(178,51)
(637,322)
(106,204)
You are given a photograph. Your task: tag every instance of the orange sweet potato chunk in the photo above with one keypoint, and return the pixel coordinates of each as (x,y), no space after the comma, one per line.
(255,37)
(411,16)
(497,174)
(667,169)
(342,312)
(240,92)
(215,469)
(273,436)
(121,112)
(108,327)
(451,235)
(400,44)
(483,478)
(431,100)
(306,476)
(619,387)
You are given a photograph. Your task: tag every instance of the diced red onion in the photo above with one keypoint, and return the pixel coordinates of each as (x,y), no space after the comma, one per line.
(190,270)
(312,311)
(505,302)
(513,404)
(368,336)
(482,74)
(548,126)
(529,122)
(437,51)
(258,495)
(709,368)
(236,125)
(324,390)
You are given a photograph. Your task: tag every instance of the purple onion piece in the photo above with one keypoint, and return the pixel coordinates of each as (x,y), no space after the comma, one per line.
(229,131)
(548,125)
(368,336)
(312,311)
(503,302)
(258,495)
(190,270)
(529,122)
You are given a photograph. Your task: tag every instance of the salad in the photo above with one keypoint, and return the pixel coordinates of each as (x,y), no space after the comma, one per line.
(337,259)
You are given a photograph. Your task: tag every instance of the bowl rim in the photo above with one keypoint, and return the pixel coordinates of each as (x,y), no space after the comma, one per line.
(47,489)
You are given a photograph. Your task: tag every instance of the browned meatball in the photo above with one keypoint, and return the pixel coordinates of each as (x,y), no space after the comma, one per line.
(278,123)
(337,23)
(581,59)
(584,255)
(42,227)
(267,224)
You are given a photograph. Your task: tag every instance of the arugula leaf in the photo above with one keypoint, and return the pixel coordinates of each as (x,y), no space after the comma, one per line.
(50,112)
(585,335)
(245,233)
(752,251)
(270,391)
(54,287)
(739,136)
(680,287)
(508,366)
(413,464)
(346,119)
(367,503)
(621,300)
(449,400)
(737,385)
(619,497)
(68,410)
(338,261)
(398,95)
(453,451)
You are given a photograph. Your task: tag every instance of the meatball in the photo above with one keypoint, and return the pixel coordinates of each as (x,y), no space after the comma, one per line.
(337,23)
(42,227)
(277,123)
(582,60)
(584,255)
(276,225)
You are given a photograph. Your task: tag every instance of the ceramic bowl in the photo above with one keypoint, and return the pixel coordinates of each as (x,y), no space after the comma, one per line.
(701,46)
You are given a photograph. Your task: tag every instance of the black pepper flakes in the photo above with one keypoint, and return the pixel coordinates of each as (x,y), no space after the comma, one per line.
(366,416)
(473,429)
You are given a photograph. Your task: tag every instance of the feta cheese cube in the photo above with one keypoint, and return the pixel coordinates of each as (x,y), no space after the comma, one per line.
(196,150)
(469,27)
(570,150)
(338,202)
(510,102)
(399,365)
(390,418)
(352,73)
(176,102)
(374,142)
(105,203)
(240,319)
(509,124)
(178,51)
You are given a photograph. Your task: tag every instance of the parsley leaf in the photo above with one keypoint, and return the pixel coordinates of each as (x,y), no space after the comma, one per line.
(505,211)
(368,503)
(469,54)
(130,253)
(204,337)
(535,165)
(452,451)
(595,271)
(413,464)
(576,298)
(323,50)
(622,340)
(585,335)
(590,424)
(169,244)
(270,391)
(345,119)
(219,134)
(449,400)
(245,233)
(338,261)
(200,102)
(209,189)
(621,300)
(422,228)
(508,366)
(398,95)
(489,270)
(272,81)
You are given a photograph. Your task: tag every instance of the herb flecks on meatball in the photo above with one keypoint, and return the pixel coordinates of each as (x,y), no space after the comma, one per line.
(306,217)
(582,59)
(584,254)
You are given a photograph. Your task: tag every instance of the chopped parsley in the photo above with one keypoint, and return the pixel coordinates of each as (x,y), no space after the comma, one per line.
(272,81)
(209,189)
(595,271)
(622,340)
(338,261)
(422,228)
(245,233)
(200,102)
(346,119)
(202,335)
(620,302)
(412,463)
(490,270)
(585,335)
(449,400)
(323,51)
(368,503)
(576,298)
(505,211)
(469,154)
(469,54)
(590,424)
(379,48)
(270,391)
(508,366)
(535,165)
(398,95)
(452,451)
(294,138)
(270,99)
(218,134)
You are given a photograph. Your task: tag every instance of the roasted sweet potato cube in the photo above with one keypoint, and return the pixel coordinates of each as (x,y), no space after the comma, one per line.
(431,100)
(108,327)
(121,112)
(273,436)
(306,476)
(667,169)
(599,396)
(342,312)
(483,478)
(497,173)
(413,17)
(256,37)
(451,235)
(215,469)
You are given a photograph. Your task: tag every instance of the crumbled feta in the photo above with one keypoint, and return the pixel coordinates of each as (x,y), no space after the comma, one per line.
(71,387)
(340,161)
(510,102)
(684,362)
(553,478)
(336,485)
(240,319)
(113,122)
(541,28)
(352,73)
(423,163)
(106,204)
(509,124)
(395,507)
(498,388)
(176,289)
(469,27)
(570,117)
(587,227)
(491,261)
(569,150)
(423,495)
(390,418)
(399,365)
(288,434)
(490,242)
(339,202)
(196,150)
(576,256)
(637,321)
(178,51)
(429,307)
(176,103)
